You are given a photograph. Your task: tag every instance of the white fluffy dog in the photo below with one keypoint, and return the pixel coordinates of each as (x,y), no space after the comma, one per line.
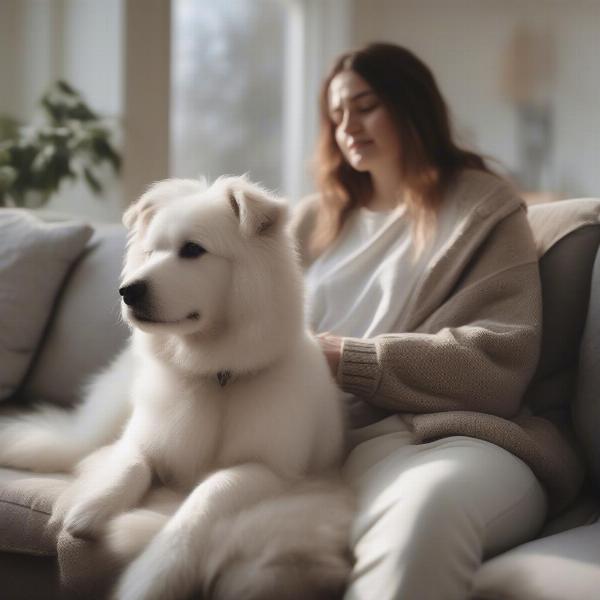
(223,425)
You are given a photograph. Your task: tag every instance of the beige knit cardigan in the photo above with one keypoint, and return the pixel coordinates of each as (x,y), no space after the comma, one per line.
(468,341)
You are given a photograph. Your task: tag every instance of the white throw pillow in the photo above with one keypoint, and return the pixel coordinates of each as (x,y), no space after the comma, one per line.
(35,257)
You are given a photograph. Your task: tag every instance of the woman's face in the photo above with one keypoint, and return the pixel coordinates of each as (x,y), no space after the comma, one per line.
(364,129)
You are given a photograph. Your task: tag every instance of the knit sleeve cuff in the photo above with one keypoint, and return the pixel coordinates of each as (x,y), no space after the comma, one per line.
(358,371)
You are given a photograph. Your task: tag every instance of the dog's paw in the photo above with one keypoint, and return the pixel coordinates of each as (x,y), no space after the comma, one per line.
(86,519)
(82,524)
(128,534)
(61,506)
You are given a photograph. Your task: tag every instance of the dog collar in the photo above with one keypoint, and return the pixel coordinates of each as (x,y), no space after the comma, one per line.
(223,377)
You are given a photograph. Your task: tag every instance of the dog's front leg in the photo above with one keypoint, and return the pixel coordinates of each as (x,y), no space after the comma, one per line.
(113,479)
(174,563)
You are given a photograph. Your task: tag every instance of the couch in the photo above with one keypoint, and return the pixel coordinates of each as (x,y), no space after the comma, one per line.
(82,331)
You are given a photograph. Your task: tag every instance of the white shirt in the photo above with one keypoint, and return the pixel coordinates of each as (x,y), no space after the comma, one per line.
(360,284)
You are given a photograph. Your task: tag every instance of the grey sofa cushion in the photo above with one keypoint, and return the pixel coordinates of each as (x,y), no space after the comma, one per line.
(88,571)
(85,568)
(586,406)
(86,331)
(559,567)
(34,259)
(567,235)
(552,221)
(25,508)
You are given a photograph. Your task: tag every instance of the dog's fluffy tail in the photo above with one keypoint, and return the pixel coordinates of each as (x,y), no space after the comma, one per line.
(52,439)
(292,547)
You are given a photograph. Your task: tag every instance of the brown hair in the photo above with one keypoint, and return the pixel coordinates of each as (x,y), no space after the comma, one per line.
(408,90)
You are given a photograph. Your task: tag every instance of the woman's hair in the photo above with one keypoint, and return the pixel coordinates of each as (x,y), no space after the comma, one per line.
(429,157)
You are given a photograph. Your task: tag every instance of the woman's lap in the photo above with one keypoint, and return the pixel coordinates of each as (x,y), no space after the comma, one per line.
(429,513)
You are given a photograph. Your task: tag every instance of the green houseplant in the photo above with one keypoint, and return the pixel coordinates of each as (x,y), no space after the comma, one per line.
(68,142)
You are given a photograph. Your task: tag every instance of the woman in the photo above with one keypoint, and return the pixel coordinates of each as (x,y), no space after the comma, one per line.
(423,283)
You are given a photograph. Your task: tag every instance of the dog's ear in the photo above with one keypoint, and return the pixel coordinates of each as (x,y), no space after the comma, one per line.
(257,212)
(139,214)
(131,214)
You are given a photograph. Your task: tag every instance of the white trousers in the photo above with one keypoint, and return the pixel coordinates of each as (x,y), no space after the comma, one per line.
(428,514)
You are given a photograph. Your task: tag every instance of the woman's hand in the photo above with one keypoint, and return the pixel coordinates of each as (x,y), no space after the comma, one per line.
(332,348)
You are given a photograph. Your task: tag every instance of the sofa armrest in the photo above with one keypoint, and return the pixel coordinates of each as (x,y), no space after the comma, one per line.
(566,565)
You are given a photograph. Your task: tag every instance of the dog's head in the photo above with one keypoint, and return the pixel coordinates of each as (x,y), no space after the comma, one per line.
(204,259)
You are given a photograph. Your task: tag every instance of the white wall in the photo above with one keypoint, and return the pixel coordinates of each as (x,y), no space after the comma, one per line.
(25,57)
(9,67)
(80,41)
(466,43)
(91,59)
(93,51)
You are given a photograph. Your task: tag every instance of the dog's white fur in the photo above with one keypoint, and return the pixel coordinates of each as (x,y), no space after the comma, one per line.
(246,506)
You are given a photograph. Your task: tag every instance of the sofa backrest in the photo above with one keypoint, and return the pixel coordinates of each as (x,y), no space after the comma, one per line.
(85,331)
(568,236)
(586,405)
(565,272)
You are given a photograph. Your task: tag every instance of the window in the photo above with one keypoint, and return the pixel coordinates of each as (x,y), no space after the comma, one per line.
(245,81)
(227,94)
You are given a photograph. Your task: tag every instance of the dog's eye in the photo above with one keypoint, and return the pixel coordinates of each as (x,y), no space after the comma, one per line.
(191,250)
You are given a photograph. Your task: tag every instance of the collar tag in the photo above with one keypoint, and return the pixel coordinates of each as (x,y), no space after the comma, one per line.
(223,377)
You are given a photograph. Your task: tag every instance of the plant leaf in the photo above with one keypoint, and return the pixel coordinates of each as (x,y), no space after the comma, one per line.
(94,184)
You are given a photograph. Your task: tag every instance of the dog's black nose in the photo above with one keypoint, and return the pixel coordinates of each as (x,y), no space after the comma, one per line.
(133,293)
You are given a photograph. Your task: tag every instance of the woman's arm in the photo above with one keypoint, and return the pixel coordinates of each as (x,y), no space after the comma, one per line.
(476,352)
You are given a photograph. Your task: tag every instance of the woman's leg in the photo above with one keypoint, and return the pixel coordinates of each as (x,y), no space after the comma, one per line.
(429,513)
